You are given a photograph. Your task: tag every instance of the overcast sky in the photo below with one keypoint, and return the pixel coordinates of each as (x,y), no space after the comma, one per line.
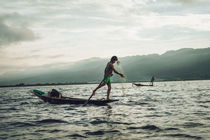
(38,33)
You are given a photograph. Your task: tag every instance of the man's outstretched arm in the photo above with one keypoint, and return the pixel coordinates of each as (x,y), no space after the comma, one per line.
(116,71)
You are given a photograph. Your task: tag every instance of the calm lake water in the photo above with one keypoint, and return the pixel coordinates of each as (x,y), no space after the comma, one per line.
(169,110)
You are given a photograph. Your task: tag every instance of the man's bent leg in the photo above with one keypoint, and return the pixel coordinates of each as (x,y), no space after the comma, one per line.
(99,86)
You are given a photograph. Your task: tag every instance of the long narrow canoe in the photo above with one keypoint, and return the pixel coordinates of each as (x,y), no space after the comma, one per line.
(139,85)
(67,100)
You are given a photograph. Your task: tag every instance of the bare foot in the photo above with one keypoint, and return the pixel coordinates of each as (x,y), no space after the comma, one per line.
(94,92)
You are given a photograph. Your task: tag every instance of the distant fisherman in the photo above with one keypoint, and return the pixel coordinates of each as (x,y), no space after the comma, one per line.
(152,80)
(107,75)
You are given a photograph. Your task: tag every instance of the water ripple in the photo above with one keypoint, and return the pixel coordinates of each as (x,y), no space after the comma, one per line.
(102,132)
(147,127)
(76,136)
(184,136)
(48,121)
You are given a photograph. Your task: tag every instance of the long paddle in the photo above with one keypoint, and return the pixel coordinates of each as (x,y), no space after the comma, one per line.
(88,100)
(91,96)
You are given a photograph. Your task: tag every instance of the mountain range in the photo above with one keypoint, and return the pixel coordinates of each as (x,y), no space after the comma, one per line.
(183,64)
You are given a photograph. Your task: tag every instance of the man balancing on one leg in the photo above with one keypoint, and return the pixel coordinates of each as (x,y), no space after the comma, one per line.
(107,75)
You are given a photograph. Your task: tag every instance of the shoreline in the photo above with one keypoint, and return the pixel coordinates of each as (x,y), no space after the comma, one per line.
(85,83)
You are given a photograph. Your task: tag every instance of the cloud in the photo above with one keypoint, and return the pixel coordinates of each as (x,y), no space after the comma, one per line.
(10,34)
(124,27)
(189,1)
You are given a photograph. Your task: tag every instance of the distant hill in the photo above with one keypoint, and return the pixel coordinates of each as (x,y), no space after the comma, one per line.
(183,64)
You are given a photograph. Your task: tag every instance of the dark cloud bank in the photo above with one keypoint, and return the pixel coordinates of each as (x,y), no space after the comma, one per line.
(9,34)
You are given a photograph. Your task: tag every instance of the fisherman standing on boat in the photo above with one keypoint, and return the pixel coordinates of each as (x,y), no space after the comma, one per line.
(152,80)
(107,75)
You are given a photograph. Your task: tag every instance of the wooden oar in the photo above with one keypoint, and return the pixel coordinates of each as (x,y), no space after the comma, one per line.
(88,100)
(91,96)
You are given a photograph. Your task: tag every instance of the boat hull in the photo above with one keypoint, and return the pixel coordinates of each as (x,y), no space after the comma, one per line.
(68,100)
(141,85)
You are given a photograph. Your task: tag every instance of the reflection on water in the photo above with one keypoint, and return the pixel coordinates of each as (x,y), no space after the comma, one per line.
(169,110)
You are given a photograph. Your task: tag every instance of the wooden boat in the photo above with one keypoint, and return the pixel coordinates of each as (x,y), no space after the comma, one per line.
(67,100)
(139,85)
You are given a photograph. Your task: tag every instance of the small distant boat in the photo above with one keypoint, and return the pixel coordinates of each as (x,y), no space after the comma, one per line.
(151,83)
(139,85)
(68,100)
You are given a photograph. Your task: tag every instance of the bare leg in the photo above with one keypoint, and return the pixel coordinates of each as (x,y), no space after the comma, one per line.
(99,86)
(108,91)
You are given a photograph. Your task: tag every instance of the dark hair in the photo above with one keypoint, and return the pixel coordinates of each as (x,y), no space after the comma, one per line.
(114,58)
